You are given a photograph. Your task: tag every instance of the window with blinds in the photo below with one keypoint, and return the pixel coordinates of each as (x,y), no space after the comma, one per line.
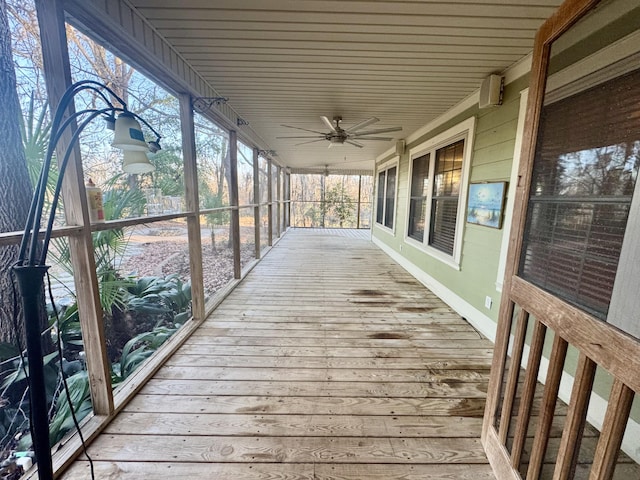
(584,174)
(386,197)
(436,203)
(446,192)
(418,199)
(390,198)
(380,198)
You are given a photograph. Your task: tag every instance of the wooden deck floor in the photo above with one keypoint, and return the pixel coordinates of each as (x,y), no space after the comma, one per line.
(328,362)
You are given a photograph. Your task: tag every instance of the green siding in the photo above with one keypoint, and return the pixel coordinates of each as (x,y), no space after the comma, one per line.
(491,160)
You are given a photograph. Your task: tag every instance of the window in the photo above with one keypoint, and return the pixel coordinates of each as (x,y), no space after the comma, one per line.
(584,174)
(418,199)
(437,190)
(446,191)
(386,199)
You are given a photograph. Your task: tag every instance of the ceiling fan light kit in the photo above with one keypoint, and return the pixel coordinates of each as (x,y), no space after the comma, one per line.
(338,136)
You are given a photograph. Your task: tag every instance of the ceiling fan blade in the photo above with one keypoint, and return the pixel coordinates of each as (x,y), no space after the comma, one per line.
(311,141)
(304,129)
(362,124)
(355,144)
(379,130)
(386,139)
(328,123)
(303,136)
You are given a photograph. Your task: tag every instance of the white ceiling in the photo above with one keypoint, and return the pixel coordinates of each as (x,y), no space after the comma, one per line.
(291,61)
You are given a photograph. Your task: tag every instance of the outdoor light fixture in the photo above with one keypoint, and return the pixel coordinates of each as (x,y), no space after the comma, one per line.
(136,162)
(31,267)
(128,134)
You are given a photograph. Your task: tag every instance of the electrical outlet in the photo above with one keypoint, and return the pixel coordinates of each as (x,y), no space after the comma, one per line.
(488,302)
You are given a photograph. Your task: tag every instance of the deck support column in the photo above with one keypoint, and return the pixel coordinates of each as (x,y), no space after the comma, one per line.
(270,201)
(279,200)
(359,201)
(233,197)
(192,202)
(288,198)
(256,199)
(57,69)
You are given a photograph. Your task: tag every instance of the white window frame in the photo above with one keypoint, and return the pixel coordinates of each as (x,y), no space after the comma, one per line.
(463,131)
(384,167)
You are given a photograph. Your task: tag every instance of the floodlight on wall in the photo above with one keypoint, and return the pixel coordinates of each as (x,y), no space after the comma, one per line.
(491,91)
(31,267)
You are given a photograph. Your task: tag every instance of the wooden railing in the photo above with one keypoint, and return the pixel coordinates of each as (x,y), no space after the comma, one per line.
(532,320)
(598,344)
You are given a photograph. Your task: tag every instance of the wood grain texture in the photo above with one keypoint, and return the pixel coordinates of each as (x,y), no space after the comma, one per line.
(192,200)
(256,199)
(615,421)
(333,384)
(528,392)
(576,418)
(548,406)
(610,348)
(233,200)
(509,393)
(56,61)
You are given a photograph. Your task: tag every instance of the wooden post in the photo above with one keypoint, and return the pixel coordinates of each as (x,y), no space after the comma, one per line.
(270,202)
(192,202)
(58,78)
(256,198)
(279,200)
(359,200)
(233,198)
(288,199)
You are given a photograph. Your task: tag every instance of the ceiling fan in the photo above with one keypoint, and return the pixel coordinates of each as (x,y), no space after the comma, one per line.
(339,136)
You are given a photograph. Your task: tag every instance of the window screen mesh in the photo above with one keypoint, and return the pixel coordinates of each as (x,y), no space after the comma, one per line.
(585,168)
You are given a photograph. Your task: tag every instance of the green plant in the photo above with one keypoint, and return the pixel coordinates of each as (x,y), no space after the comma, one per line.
(80,394)
(35,129)
(169,297)
(138,349)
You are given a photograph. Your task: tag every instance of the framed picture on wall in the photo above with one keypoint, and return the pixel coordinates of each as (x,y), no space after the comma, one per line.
(486,204)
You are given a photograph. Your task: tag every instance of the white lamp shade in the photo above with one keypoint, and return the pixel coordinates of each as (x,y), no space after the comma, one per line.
(128,134)
(136,162)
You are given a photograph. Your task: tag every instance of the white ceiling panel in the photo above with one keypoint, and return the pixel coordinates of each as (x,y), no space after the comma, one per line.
(288,62)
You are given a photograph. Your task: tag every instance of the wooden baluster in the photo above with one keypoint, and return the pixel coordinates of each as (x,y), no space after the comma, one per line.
(548,407)
(514,372)
(615,421)
(576,417)
(528,392)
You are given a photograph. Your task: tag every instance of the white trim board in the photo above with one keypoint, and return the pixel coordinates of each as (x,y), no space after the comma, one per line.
(485,325)
(513,185)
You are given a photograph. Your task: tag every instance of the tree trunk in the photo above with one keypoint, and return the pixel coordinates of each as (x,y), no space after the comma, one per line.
(15,186)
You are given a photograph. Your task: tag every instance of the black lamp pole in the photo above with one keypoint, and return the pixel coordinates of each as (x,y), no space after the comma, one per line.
(30,270)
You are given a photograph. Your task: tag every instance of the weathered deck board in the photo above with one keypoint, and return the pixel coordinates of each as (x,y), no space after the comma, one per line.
(327,362)
(282,471)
